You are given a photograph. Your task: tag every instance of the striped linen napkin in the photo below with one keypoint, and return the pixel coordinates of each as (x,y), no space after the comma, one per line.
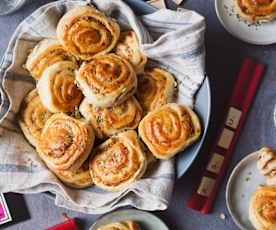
(173,40)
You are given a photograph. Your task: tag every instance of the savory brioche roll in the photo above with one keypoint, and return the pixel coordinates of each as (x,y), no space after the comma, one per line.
(126,225)
(79,178)
(46,53)
(32,117)
(118,162)
(156,88)
(128,48)
(267,164)
(169,130)
(262,209)
(57,89)
(256,10)
(65,142)
(107,80)
(86,32)
(109,121)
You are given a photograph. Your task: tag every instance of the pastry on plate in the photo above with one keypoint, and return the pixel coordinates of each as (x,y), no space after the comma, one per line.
(169,130)
(109,121)
(107,80)
(57,89)
(267,164)
(85,32)
(126,225)
(118,162)
(46,53)
(32,117)
(256,10)
(156,88)
(262,209)
(128,47)
(79,178)
(65,142)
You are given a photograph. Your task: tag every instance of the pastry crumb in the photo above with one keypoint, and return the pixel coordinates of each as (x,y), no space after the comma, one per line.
(247,179)
(64,215)
(222,216)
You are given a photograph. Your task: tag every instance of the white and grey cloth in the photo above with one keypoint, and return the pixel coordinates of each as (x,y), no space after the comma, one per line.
(173,40)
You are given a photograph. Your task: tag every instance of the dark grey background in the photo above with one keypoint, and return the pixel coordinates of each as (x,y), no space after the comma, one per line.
(224,56)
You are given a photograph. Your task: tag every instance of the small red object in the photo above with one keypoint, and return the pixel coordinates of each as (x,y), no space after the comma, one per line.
(67,225)
(203,196)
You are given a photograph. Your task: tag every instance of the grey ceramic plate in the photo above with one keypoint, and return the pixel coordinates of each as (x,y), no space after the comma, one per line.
(146,220)
(243,181)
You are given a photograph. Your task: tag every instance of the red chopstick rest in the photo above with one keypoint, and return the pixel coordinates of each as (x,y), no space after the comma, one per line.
(67,225)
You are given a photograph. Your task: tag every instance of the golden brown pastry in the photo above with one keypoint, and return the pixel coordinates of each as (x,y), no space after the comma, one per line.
(86,32)
(256,10)
(65,142)
(109,121)
(156,88)
(46,53)
(118,162)
(126,225)
(32,117)
(267,164)
(107,80)
(79,178)
(262,210)
(169,130)
(128,47)
(57,89)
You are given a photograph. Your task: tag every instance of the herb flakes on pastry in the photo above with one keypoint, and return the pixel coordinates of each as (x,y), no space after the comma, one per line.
(118,162)
(85,32)
(109,121)
(65,142)
(169,130)
(126,225)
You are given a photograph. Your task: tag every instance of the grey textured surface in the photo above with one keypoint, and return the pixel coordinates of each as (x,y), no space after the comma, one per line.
(224,56)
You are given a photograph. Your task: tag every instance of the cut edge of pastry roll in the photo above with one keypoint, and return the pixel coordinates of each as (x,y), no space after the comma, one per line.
(255,11)
(125,225)
(65,142)
(129,48)
(57,89)
(262,208)
(156,87)
(107,80)
(86,33)
(118,162)
(32,117)
(47,52)
(169,130)
(109,121)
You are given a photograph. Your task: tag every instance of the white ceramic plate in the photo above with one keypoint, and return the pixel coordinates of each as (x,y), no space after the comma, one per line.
(243,181)
(146,220)
(263,34)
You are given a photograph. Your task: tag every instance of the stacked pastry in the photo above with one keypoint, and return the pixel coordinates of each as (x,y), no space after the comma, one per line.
(125,225)
(93,82)
(262,210)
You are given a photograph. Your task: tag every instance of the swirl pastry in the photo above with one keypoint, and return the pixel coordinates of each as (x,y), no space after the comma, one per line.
(169,130)
(267,164)
(107,80)
(57,89)
(65,142)
(128,48)
(46,53)
(256,10)
(155,89)
(86,32)
(262,209)
(32,117)
(118,162)
(112,120)
(126,225)
(79,178)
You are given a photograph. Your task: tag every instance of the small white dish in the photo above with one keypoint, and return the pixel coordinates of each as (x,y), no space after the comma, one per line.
(263,34)
(243,181)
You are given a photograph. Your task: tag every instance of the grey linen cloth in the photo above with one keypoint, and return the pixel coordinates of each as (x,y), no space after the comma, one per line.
(172,40)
